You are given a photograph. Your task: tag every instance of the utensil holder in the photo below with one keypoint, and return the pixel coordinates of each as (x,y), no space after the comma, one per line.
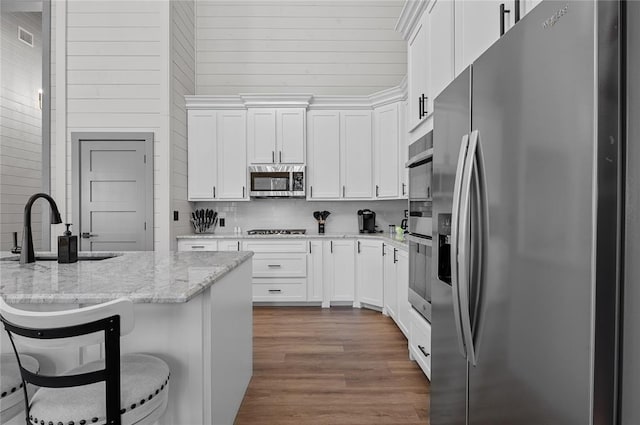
(320,227)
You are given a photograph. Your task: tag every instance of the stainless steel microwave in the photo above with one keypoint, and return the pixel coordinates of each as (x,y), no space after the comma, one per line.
(277,181)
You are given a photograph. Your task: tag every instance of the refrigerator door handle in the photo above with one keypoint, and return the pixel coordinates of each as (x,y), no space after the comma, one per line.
(462,253)
(482,243)
(455,215)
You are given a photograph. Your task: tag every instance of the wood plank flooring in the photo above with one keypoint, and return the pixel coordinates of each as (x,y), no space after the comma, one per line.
(338,366)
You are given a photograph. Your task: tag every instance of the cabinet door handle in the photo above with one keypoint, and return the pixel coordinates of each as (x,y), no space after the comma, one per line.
(280,156)
(358,247)
(419,108)
(310,191)
(403,188)
(383,249)
(243,191)
(343,189)
(273,156)
(331,245)
(503,12)
(274,266)
(197,246)
(377,190)
(275,291)
(423,101)
(309,247)
(395,256)
(238,245)
(516,10)
(421,348)
(214,191)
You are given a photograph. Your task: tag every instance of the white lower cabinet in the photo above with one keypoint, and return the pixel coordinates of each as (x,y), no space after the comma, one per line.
(339,270)
(370,272)
(229,245)
(390,295)
(402,279)
(420,342)
(279,290)
(197,245)
(315,274)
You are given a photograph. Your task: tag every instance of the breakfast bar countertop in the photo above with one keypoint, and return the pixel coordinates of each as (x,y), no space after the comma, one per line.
(142,276)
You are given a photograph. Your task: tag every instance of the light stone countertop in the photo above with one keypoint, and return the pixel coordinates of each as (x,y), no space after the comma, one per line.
(398,243)
(142,276)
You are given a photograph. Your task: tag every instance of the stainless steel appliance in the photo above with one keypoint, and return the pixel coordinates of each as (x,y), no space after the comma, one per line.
(366,221)
(276,232)
(276,181)
(527,185)
(420,170)
(420,266)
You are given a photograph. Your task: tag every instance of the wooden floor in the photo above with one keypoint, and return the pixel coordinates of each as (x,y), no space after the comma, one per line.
(331,366)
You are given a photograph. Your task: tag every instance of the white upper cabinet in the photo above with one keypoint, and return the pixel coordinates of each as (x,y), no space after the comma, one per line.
(290,135)
(276,135)
(356,136)
(477,27)
(418,73)
(261,139)
(387,151)
(201,155)
(232,155)
(323,172)
(441,51)
(217,155)
(340,154)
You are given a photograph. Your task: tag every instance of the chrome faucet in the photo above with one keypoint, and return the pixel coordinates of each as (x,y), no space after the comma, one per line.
(27,255)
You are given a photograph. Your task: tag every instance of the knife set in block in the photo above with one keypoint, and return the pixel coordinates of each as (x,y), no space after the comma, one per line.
(321,218)
(204,220)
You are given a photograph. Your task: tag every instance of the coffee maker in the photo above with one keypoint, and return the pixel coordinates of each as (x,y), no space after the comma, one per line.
(367,221)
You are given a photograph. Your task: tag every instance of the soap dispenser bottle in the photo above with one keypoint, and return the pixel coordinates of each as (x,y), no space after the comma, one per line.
(67,247)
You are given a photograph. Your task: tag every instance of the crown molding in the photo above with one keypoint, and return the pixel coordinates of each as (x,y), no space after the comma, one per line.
(409,17)
(276,100)
(214,102)
(307,101)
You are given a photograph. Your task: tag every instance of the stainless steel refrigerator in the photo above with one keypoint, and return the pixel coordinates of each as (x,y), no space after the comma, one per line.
(526,225)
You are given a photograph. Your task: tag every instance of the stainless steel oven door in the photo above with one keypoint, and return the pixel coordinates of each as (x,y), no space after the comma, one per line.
(420,198)
(420,275)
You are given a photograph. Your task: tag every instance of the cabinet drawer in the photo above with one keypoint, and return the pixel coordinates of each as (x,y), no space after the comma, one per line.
(279,265)
(287,291)
(420,342)
(298,245)
(197,245)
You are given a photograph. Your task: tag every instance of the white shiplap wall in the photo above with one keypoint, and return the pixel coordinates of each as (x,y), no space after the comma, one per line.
(117,79)
(312,46)
(20,125)
(182,83)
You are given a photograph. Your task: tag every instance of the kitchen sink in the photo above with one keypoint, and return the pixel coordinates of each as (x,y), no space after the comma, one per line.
(52,257)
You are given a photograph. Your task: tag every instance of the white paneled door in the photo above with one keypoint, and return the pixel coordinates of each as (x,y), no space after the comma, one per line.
(357,153)
(324,154)
(116,191)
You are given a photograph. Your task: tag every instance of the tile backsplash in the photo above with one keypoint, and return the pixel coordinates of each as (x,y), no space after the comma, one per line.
(298,214)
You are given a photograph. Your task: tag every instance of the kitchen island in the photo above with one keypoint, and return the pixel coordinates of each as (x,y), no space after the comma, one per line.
(192,309)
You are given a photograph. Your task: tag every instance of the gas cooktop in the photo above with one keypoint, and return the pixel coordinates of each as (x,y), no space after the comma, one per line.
(276,232)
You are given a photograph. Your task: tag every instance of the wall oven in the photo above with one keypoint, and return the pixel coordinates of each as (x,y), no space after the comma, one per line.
(277,181)
(420,275)
(420,170)
(420,226)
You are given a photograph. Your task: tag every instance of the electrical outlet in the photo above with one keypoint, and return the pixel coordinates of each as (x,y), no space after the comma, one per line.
(221,222)
(175,216)
(406,213)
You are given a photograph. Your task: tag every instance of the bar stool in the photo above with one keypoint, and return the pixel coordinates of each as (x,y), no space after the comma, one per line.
(11,396)
(136,386)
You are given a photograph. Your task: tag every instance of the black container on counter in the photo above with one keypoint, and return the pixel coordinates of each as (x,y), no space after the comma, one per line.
(67,247)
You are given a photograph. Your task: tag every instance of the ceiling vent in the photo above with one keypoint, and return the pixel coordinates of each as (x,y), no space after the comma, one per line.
(25,36)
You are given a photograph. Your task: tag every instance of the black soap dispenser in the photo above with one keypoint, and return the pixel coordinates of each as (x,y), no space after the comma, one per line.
(67,247)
